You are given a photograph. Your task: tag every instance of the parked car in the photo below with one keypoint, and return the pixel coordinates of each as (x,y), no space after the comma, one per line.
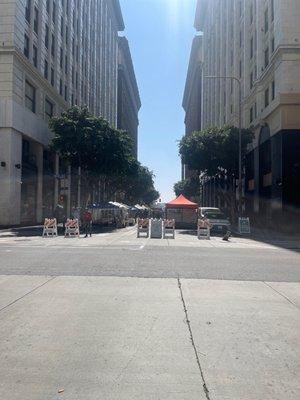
(208,209)
(220,222)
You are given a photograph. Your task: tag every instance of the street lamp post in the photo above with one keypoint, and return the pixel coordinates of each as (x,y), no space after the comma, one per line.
(233,78)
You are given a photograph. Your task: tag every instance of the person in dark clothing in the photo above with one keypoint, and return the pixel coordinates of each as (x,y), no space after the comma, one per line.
(87,222)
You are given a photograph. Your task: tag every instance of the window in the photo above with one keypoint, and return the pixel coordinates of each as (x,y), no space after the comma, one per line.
(61,58)
(60,87)
(273,44)
(53,45)
(273,90)
(54,12)
(251,115)
(73,75)
(267,97)
(30,94)
(36,20)
(266,20)
(61,26)
(73,46)
(251,47)
(66,93)
(26,45)
(266,57)
(46,69)
(251,13)
(28,11)
(48,6)
(34,55)
(66,64)
(240,69)
(251,80)
(47,36)
(52,76)
(67,35)
(48,109)
(272,10)
(241,39)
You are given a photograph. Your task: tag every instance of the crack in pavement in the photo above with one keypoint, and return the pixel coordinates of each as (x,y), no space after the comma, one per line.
(26,294)
(281,294)
(205,389)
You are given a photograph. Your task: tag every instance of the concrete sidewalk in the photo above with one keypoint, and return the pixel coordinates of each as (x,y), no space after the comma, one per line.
(128,338)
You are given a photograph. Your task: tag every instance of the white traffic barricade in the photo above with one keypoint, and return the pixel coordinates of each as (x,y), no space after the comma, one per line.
(169,228)
(143,226)
(72,228)
(203,230)
(50,227)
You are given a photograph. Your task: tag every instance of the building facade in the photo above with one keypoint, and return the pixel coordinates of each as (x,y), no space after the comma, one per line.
(192,98)
(257,42)
(129,101)
(53,54)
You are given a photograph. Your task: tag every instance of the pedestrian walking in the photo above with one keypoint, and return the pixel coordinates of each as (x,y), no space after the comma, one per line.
(87,222)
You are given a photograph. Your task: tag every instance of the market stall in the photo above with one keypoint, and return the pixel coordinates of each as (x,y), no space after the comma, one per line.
(183,211)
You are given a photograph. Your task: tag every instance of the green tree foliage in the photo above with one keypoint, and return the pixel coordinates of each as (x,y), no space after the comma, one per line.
(188,187)
(89,142)
(140,186)
(104,155)
(214,148)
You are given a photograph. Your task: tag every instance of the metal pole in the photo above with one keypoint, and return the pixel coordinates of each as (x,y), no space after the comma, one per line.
(79,188)
(240,150)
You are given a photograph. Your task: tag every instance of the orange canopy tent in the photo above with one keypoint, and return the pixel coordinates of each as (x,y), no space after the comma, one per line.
(182,202)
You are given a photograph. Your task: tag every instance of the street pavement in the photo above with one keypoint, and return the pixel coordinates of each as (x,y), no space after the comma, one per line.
(117,317)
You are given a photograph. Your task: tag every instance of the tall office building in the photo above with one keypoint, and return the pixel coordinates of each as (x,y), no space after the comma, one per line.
(257,42)
(129,101)
(192,98)
(53,54)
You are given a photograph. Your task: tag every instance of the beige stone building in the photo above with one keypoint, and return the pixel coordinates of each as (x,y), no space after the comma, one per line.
(192,98)
(53,54)
(129,101)
(258,42)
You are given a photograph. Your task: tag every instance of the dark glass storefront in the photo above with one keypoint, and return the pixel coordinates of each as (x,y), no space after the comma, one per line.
(29,185)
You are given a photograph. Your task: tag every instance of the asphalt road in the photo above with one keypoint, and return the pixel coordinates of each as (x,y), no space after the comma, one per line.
(122,254)
(78,319)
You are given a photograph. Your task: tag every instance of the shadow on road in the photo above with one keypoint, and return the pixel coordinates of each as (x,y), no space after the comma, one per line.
(34,231)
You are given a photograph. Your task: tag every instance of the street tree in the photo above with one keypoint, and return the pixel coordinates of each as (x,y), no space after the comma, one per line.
(103,156)
(90,144)
(214,152)
(140,186)
(214,149)
(188,187)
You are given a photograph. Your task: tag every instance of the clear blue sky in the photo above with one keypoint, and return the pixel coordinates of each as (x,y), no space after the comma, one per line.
(160,34)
